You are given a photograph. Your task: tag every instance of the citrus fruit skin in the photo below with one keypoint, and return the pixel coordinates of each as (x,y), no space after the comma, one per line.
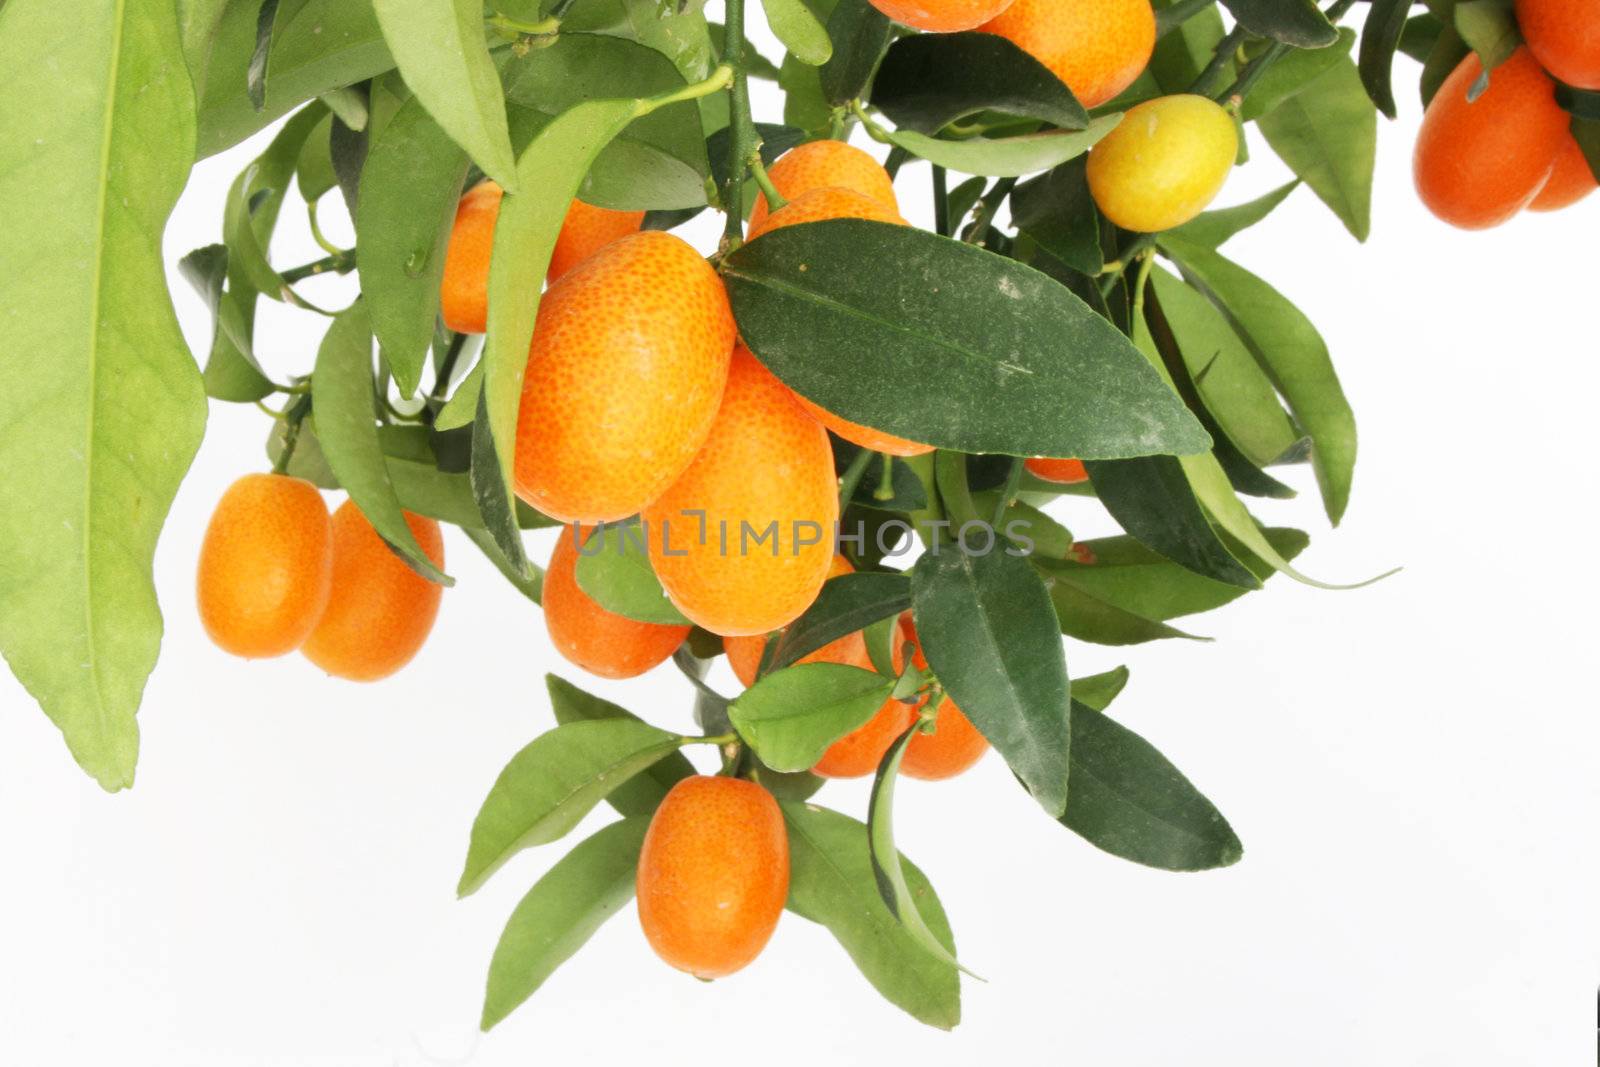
(1477,163)
(744,653)
(1064,471)
(955,744)
(464,289)
(1564,36)
(1098,47)
(266,566)
(585,231)
(589,636)
(829,202)
(858,753)
(713,875)
(380,611)
(625,373)
(766,464)
(1163,163)
(941,16)
(1571,179)
(824,164)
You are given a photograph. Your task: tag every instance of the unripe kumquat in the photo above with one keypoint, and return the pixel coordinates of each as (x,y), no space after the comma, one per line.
(380,611)
(589,636)
(1163,163)
(266,565)
(1098,47)
(713,875)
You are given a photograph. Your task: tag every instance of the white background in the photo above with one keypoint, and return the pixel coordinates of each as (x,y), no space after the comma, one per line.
(1412,767)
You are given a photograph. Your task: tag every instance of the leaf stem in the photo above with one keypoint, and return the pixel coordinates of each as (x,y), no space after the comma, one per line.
(717,80)
(988,207)
(1008,494)
(293,416)
(851,478)
(316,231)
(868,123)
(1206,84)
(341,262)
(758,171)
(885,490)
(941,201)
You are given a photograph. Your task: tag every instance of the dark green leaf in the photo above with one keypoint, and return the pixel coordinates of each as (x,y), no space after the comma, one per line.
(989,631)
(1130,801)
(1489,28)
(1213,228)
(1583,104)
(831,883)
(791,716)
(342,392)
(614,570)
(555,781)
(846,604)
(860,33)
(1151,499)
(1421,36)
(940,349)
(409,189)
(1448,52)
(1294,72)
(641,794)
(1380,37)
(1294,22)
(256,73)
(1057,211)
(495,504)
(1587,133)
(1184,50)
(928,81)
(1328,135)
(561,912)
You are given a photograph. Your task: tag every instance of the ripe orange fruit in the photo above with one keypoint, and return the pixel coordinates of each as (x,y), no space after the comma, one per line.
(589,636)
(1571,179)
(585,231)
(955,744)
(380,611)
(829,202)
(1098,47)
(624,377)
(821,164)
(1065,471)
(764,481)
(941,16)
(1564,36)
(1163,163)
(265,565)
(859,752)
(713,875)
(744,653)
(464,289)
(1478,163)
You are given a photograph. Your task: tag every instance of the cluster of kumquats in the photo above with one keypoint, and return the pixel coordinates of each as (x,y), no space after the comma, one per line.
(1486,151)
(635,335)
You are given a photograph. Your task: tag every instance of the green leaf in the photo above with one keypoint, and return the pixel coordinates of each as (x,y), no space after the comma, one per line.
(957,347)
(1226,376)
(496,503)
(1328,135)
(1587,133)
(551,169)
(1213,228)
(990,633)
(323,45)
(342,391)
(561,912)
(1447,53)
(232,372)
(797,28)
(197,23)
(440,49)
(256,73)
(1098,690)
(409,190)
(1380,38)
(313,172)
(831,883)
(1290,350)
(887,868)
(790,717)
(1152,500)
(96,134)
(555,781)
(1086,617)
(860,33)
(1006,157)
(1294,22)
(1056,210)
(614,570)
(930,80)
(848,603)
(1294,72)
(251,214)
(641,794)
(1130,801)
(1489,28)
(1184,50)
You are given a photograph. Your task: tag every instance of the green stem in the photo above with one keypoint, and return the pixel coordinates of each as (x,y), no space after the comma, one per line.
(885,490)
(941,201)
(1008,494)
(851,478)
(758,170)
(447,367)
(743,140)
(316,232)
(717,80)
(338,263)
(897,159)
(875,131)
(1206,84)
(1146,261)
(988,207)
(293,416)
(720,739)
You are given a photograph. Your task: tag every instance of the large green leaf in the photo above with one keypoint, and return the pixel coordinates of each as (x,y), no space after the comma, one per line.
(956,346)
(96,135)
(1295,22)
(1291,351)
(409,189)
(846,604)
(1213,228)
(1129,800)
(555,781)
(251,212)
(1006,157)
(1184,50)
(989,632)
(1295,71)
(1087,617)
(641,794)
(1151,499)
(342,391)
(930,80)
(791,716)
(1328,135)
(614,570)
(561,912)
(831,883)
(860,33)
(322,45)
(799,30)
(441,51)
(1057,212)
(197,24)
